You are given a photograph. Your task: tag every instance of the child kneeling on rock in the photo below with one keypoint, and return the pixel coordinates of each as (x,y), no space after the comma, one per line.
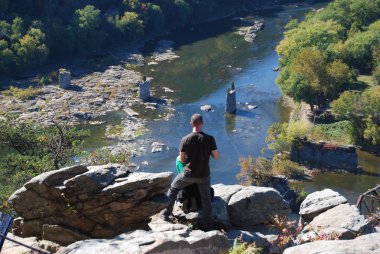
(190,196)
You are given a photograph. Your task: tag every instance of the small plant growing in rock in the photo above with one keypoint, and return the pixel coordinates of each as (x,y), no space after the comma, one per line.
(240,247)
(288,231)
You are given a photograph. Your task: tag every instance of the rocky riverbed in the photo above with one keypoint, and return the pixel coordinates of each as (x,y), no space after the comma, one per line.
(90,95)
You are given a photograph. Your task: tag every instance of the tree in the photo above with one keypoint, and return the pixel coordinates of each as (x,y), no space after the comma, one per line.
(5,30)
(129,25)
(364,12)
(183,11)
(38,148)
(317,35)
(17,29)
(309,65)
(88,18)
(362,109)
(154,18)
(87,28)
(360,48)
(32,51)
(7,58)
(339,76)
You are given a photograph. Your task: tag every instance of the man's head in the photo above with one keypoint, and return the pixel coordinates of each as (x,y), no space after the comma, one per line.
(196,120)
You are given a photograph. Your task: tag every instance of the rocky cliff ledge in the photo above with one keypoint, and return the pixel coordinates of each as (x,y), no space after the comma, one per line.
(81,202)
(109,209)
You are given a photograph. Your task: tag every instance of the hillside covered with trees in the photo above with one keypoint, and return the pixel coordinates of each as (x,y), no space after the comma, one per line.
(35,31)
(332,59)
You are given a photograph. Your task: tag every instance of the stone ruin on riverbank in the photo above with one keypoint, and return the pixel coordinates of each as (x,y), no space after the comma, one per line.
(64,78)
(325,155)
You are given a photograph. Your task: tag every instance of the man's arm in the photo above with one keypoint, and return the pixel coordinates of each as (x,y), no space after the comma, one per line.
(182,157)
(215,154)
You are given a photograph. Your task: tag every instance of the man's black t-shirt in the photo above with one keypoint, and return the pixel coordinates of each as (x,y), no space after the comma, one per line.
(198,147)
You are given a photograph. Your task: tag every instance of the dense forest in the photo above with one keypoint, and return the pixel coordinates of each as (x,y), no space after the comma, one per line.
(35,31)
(332,60)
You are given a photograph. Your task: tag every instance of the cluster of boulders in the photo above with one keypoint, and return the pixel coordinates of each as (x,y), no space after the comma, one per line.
(163,52)
(80,206)
(250,32)
(334,227)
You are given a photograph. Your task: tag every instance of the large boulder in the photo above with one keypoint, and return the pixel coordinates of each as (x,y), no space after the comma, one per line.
(320,201)
(366,244)
(168,239)
(254,205)
(341,222)
(240,206)
(79,202)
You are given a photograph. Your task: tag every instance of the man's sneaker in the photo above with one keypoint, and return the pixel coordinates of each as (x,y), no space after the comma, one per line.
(185,206)
(165,217)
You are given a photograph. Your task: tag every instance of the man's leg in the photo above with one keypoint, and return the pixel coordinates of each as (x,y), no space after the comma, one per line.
(177,185)
(204,190)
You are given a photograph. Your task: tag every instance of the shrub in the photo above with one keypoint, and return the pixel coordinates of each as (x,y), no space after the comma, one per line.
(240,247)
(287,229)
(340,132)
(283,166)
(23,94)
(102,156)
(254,172)
(280,135)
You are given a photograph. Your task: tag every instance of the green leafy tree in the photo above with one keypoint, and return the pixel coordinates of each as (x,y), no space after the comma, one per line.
(362,109)
(56,144)
(32,51)
(17,29)
(28,149)
(364,12)
(183,11)
(88,18)
(154,18)
(360,48)
(87,28)
(7,57)
(129,25)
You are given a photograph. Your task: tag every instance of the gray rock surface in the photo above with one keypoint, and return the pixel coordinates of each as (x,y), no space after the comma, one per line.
(258,238)
(253,205)
(163,52)
(341,222)
(366,244)
(13,248)
(167,239)
(320,201)
(81,202)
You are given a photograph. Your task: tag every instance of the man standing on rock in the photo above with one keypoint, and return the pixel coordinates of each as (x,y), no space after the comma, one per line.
(195,150)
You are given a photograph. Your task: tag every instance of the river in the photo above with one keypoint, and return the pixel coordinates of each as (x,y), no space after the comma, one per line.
(212,56)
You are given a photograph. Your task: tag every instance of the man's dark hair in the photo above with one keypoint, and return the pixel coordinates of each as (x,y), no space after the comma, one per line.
(196,119)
